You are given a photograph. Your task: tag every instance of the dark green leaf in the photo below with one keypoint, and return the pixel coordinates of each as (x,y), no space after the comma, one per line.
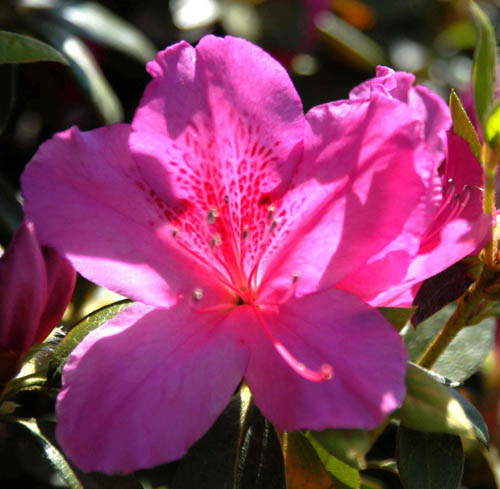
(397,316)
(53,455)
(344,476)
(483,71)
(432,406)
(463,125)
(350,446)
(429,460)
(303,467)
(86,71)
(81,329)
(7,93)
(17,48)
(465,353)
(105,27)
(241,451)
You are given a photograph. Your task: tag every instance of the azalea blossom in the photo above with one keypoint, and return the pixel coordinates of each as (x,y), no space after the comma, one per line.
(447,224)
(230,217)
(36,284)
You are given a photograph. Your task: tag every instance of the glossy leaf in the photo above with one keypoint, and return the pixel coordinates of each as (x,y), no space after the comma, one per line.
(303,468)
(463,125)
(483,71)
(53,455)
(18,48)
(344,476)
(431,406)
(107,28)
(240,451)
(466,352)
(429,460)
(350,446)
(79,331)
(397,316)
(86,71)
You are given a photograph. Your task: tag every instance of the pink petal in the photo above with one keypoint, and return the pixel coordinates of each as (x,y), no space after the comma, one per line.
(140,390)
(221,127)
(353,193)
(89,201)
(23,290)
(336,328)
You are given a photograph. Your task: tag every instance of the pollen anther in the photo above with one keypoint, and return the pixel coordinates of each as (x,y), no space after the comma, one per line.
(213,214)
(197,294)
(271,210)
(245,232)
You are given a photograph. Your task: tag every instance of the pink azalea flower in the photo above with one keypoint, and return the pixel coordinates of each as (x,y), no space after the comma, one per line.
(36,284)
(230,217)
(448,223)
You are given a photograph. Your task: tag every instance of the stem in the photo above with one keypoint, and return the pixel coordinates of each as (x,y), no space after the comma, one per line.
(468,305)
(489,158)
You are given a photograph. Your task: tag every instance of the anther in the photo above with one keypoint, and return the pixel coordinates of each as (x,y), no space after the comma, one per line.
(175,232)
(270,211)
(295,277)
(245,232)
(216,240)
(273,225)
(213,214)
(197,294)
(226,199)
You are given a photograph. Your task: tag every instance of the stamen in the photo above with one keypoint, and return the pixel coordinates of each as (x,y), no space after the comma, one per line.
(197,294)
(324,373)
(213,214)
(273,225)
(270,211)
(226,199)
(245,232)
(216,240)
(175,232)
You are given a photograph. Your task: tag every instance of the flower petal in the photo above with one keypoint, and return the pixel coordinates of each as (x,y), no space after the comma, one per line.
(140,390)
(23,290)
(336,328)
(85,194)
(353,193)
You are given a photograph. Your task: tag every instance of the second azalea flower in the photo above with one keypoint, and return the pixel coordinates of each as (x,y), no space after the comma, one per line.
(230,217)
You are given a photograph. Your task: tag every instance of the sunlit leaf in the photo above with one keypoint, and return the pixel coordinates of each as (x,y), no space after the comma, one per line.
(86,71)
(463,125)
(84,327)
(483,72)
(53,455)
(107,28)
(18,48)
(350,446)
(429,460)
(344,476)
(465,353)
(431,406)
(492,126)
(303,468)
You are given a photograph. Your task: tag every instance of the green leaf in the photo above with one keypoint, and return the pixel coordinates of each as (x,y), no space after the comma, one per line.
(18,48)
(53,455)
(431,406)
(492,126)
(466,352)
(483,71)
(429,460)
(303,468)
(352,44)
(79,331)
(107,28)
(397,316)
(85,70)
(350,446)
(463,125)
(344,476)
